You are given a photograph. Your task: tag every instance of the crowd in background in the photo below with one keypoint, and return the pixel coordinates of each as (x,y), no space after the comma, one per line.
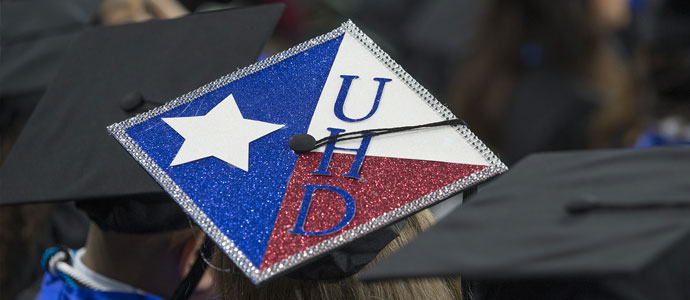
(526,75)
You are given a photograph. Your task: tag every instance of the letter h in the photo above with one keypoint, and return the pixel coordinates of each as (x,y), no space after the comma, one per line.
(328,154)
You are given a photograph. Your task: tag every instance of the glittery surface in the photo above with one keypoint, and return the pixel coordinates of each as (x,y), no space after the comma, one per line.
(386,184)
(246,203)
(281,86)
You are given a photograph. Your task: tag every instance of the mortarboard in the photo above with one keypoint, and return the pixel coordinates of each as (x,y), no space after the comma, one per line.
(110,73)
(582,224)
(35,35)
(305,151)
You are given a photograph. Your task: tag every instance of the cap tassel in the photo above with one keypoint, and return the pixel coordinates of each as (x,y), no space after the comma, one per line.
(303,143)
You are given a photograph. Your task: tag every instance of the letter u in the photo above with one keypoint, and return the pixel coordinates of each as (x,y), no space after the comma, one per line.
(342,95)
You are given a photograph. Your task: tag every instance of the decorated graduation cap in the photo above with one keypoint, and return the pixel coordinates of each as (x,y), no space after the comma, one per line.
(305,151)
(64,152)
(574,225)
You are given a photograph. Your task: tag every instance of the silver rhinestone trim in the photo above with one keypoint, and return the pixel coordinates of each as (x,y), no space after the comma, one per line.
(118,130)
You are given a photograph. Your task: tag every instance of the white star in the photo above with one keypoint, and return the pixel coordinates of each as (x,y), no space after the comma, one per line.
(222,133)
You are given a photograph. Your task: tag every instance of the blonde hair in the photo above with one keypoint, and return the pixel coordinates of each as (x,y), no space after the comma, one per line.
(234,285)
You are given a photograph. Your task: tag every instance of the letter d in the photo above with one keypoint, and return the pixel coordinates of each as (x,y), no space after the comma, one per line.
(309,190)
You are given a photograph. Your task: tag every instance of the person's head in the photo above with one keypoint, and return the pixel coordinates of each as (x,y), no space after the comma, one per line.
(612,15)
(114,12)
(568,33)
(232,284)
(153,262)
(146,242)
(569,38)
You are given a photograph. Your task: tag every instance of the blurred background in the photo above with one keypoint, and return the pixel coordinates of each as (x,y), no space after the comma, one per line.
(526,75)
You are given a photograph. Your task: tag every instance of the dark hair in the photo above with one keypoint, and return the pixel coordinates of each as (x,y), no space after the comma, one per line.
(669,58)
(515,35)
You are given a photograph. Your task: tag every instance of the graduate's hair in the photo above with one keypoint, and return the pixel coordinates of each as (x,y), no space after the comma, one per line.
(234,285)
(572,41)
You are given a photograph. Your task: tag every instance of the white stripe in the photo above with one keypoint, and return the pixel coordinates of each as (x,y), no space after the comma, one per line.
(399,106)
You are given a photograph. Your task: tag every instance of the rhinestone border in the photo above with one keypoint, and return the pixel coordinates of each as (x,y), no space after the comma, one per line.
(118,130)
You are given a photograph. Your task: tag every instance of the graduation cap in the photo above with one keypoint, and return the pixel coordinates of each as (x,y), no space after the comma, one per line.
(64,153)
(305,151)
(38,31)
(582,224)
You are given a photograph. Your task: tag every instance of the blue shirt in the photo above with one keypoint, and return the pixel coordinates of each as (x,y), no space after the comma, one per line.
(59,288)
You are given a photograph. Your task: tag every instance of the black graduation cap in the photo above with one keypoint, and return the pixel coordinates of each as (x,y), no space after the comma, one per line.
(112,73)
(241,154)
(610,224)
(38,31)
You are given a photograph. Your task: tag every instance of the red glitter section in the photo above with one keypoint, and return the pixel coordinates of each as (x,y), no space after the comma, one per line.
(386,184)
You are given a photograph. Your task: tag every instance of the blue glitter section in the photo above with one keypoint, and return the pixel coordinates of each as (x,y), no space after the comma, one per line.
(244,205)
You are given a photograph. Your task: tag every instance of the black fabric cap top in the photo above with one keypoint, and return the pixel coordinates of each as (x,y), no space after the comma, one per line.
(65,153)
(634,232)
(35,35)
